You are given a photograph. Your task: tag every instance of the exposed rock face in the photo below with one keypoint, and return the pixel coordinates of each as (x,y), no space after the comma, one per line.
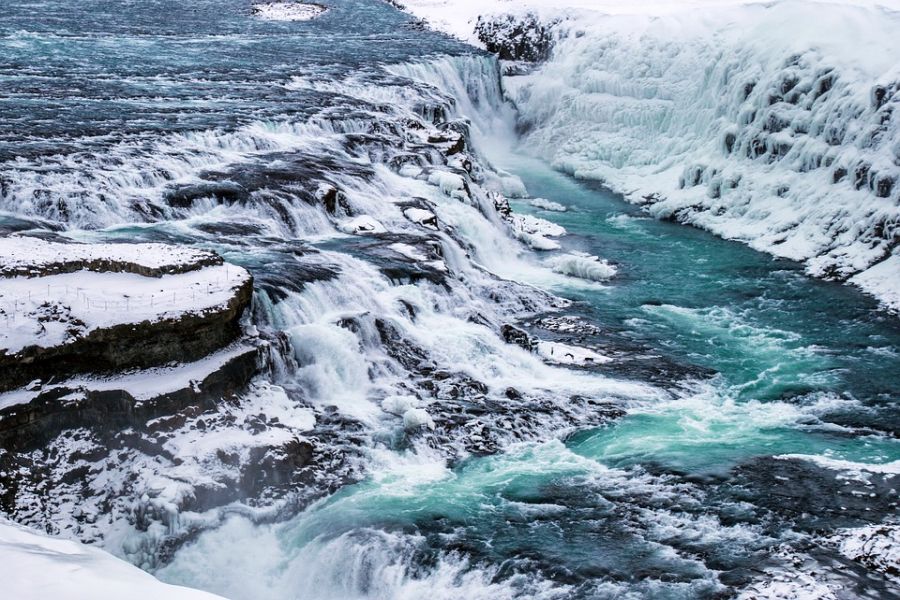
(129,345)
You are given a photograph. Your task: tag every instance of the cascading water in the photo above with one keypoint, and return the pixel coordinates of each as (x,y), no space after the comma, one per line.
(744,425)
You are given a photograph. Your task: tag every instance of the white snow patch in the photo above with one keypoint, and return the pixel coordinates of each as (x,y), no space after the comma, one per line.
(566,354)
(56,309)
(142,385)
(361,225)
(34,566)
(545,204)
(536,231)
(287,11)
(448,182)
(423,217)
(876,546)
(22,255)
(882,281)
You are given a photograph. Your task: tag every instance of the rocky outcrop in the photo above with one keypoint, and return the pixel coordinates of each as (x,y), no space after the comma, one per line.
(130,345)
(521,38)
(103,405)
(75,312)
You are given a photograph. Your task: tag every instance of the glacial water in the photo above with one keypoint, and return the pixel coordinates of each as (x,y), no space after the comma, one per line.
(758,405)
(679,498)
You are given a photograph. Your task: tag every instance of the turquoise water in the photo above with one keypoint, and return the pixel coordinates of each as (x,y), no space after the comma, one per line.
(801,365)
(685,497)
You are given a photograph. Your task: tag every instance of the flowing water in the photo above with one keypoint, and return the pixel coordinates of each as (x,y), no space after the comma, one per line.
(759,406)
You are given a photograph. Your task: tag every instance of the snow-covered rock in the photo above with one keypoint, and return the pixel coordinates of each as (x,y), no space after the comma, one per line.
(34,566)
(423,217)
(287,11)
(582,266)
(544,204)
(567,354)
(535,231)
(181,303)
(876,546)
(361,225)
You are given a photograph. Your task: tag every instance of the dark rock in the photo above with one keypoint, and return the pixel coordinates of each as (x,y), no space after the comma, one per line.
(513,335)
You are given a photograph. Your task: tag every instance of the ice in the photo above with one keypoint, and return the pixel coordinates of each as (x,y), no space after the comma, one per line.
(774,124)
(582,266)
(545,204)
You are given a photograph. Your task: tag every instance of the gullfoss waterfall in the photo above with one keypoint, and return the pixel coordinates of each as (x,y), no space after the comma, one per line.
(465,390)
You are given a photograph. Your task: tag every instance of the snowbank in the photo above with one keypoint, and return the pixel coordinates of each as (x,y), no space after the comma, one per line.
(34,566)
(30,256)
(459,17)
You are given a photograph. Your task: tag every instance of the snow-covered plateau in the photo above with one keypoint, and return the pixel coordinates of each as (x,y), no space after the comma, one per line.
(774,123)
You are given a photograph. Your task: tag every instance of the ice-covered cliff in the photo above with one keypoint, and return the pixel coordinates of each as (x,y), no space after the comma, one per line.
(774,124)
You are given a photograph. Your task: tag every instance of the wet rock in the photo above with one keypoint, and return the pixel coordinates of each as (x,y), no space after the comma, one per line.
(513,335)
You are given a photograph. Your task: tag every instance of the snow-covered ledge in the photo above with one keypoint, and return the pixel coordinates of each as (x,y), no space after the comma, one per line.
(73,308)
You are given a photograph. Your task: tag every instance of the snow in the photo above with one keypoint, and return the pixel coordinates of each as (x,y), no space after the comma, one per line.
(875,546)
(447,182)
(458,17)
(544,204)
(287,11)
(423,217)
(34,566)
(846,466)
(22,255)
(267,399)
(566,354)
(882,281)
(56,309)
(535,231)
(413,253)
(362,224)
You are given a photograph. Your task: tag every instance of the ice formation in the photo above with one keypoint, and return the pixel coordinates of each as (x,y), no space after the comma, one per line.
(753,121)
